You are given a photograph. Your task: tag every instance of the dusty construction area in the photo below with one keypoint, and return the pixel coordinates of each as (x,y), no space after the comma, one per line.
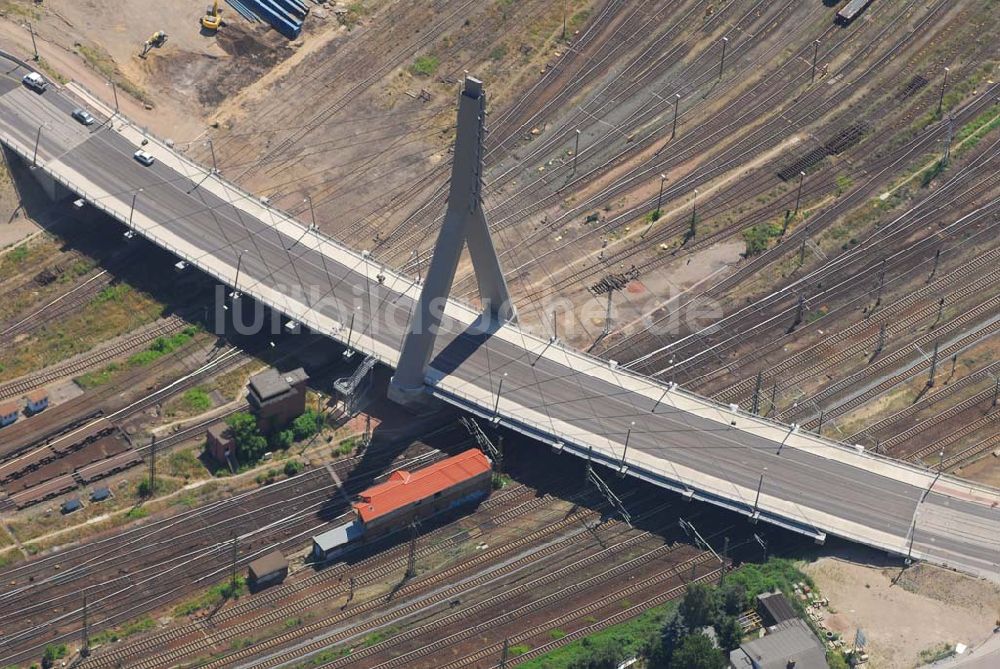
(791,241)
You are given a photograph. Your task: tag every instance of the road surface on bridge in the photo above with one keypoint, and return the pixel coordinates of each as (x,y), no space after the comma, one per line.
(580,404)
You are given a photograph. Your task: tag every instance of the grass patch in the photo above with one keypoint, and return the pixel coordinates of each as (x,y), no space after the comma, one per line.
(758,238)
(97,378)
(932,173)
(137,513)
(162,346)
(519,649)
(99,59)
(185,464)
(379,636)
(212,597)
(936,653)
(130,628)
(195,400)
(425,66)
(120,309)
(843,183)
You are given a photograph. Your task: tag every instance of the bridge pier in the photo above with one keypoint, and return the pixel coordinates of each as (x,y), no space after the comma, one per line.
(464,223)
(54,190)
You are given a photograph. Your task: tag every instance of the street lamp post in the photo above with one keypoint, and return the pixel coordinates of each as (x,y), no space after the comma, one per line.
(722,63)
(677,101)
(312,211)
(944,85)
(236,282)
(812,77)
(131,212)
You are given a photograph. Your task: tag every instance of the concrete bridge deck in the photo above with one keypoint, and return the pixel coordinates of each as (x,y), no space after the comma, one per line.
(578,403)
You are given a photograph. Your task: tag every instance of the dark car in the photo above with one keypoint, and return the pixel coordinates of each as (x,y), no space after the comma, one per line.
(82,116)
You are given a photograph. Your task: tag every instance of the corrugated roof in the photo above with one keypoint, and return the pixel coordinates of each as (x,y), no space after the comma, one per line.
(777,607)
(267,564)
(790,640)
(338,536)
(405,487)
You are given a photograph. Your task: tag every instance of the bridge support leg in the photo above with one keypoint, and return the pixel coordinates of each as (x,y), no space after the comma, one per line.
(464,223)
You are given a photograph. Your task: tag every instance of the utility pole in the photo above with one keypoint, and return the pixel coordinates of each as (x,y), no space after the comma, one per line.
(756,393)
(798,195)
(944,84)
(799,311)
(756,500)
(725,560)
(131,210)
(496,405)
(366,442)
(881,283)
(930,377)
(947,146)
(215,165)
(34,46)
(114,91)
(937,257)
(659,198)
(34,157)
(232,575)
(881,339)
(607,315)
(503,653)
(576,150)
(812,77)
(350,592)
(85,636)
(411,560)
(152,466)
(819,429)
(722,63)
(774,397)
(236,281)
(677,101)
(996,392)
(940,313)
(628,435)
(565,2)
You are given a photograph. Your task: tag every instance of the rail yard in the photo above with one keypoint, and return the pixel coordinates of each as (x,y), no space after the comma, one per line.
(787,211)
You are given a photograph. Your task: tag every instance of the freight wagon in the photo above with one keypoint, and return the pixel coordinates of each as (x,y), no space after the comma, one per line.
(851,10)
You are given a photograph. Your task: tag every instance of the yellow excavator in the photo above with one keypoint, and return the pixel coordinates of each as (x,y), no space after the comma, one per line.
(213,17)
(157,39)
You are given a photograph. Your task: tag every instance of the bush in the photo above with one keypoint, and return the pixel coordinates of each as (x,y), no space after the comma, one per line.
(425,66)
(307,425)
(53,652)
(293,467)
(282,439)
(250,443)
(759,237)
(697,652)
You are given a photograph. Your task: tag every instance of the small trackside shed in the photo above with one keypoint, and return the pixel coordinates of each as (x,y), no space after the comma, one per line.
(408,496)
(267,570)
(38,401)
(333,542)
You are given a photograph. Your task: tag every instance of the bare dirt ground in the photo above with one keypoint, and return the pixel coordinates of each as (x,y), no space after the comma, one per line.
(928,606)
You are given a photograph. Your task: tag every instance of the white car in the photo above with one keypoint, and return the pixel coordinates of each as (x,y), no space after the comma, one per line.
(144,157)
(35,81)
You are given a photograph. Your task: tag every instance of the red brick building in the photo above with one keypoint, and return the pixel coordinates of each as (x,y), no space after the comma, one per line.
(277,397)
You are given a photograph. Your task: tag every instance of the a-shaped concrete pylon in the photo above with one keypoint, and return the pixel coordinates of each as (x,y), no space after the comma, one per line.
(464,223)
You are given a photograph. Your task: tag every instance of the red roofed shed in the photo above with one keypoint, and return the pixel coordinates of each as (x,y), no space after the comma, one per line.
(406,496)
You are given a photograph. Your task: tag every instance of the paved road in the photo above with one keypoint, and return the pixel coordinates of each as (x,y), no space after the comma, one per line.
(682,442)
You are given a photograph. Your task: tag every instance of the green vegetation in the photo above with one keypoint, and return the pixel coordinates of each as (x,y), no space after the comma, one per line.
(52,653)
(347,446)
(212,597)
(836,660)
(162,346)
(498,52)
(519,649)
(932,172)
(425,66)
(666,635)
(18,254)
(843,183)
(250,443)
(50,71)
(138,512)
(379,636)
(308,424)
(973,131)
(293,467)
(557,634)
(124,631)
(758,238)
(936,653)
(99,378)
(99,59)
(196,400)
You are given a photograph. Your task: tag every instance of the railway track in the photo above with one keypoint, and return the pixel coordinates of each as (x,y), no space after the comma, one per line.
(965,455)
(946,415)
(669,574)
(953,438)
(128,344)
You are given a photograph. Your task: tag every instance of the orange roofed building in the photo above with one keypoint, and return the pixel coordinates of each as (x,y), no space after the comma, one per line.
(408,496)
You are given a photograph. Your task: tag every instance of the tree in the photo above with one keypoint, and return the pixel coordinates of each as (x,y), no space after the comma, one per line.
(674,630)
(250,443)
(699,606)
(293,467)
(729,632)
(733,598)
(282,439)
(697,652)
(306,425)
